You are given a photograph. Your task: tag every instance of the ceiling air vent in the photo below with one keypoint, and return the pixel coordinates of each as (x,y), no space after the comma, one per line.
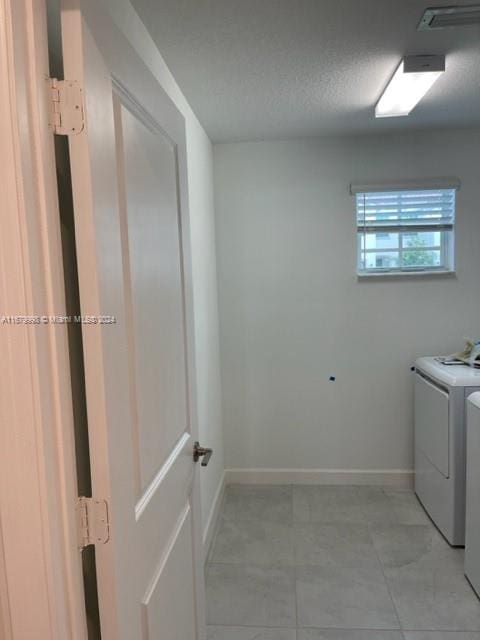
(442,17)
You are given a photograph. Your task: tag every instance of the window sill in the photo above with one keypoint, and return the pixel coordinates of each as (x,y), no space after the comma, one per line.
(406,274)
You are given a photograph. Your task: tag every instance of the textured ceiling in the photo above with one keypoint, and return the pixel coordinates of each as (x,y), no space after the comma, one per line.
(257,69)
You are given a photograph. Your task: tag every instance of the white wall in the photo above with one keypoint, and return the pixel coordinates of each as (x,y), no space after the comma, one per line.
(292,311)
(200,184)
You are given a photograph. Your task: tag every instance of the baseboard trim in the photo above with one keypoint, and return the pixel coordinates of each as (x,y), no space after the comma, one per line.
(396,478)
(213,516)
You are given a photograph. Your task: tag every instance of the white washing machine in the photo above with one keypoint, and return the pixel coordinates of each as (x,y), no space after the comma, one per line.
(440,435)
(472,538)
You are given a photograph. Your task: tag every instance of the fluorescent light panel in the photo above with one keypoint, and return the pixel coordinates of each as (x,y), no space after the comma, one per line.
(444,17)
(413,78)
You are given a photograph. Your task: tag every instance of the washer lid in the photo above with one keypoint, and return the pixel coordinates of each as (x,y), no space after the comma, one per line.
(453,375)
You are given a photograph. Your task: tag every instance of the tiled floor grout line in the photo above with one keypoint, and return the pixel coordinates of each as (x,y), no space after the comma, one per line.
(350,629)
(385,577)
(342,629)
(294,564)
(257,626)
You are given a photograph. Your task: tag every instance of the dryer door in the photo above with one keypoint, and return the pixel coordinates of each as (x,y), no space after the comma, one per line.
(432,423)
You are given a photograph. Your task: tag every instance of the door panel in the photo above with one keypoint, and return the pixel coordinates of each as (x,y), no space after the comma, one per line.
(132,234)
(432,423)
(166,593)
(150,220)
(472,542)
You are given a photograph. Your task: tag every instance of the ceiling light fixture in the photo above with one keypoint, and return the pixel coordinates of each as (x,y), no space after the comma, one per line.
(414,76)
(443,17)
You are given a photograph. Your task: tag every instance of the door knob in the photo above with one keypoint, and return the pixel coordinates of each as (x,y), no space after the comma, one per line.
(201,452)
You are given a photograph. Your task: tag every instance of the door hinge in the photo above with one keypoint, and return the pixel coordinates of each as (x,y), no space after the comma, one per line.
(92,522)
(66,113)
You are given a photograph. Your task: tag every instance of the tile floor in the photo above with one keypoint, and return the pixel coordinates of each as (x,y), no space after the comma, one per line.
(334,563)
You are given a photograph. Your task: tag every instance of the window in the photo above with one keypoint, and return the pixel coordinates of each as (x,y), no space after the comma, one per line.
(405,230)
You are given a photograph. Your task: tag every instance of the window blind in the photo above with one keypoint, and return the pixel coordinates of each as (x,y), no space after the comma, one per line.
(424,184)
(419,210)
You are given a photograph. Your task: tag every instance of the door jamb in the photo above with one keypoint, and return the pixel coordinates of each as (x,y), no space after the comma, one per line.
(42,565)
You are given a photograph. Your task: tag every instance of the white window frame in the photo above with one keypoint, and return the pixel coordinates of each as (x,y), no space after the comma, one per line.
(447,257)
(446,247)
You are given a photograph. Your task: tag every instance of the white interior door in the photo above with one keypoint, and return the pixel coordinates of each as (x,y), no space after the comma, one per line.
(132,233)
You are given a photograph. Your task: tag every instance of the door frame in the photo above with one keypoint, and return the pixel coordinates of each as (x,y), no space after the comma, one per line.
(41,584)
